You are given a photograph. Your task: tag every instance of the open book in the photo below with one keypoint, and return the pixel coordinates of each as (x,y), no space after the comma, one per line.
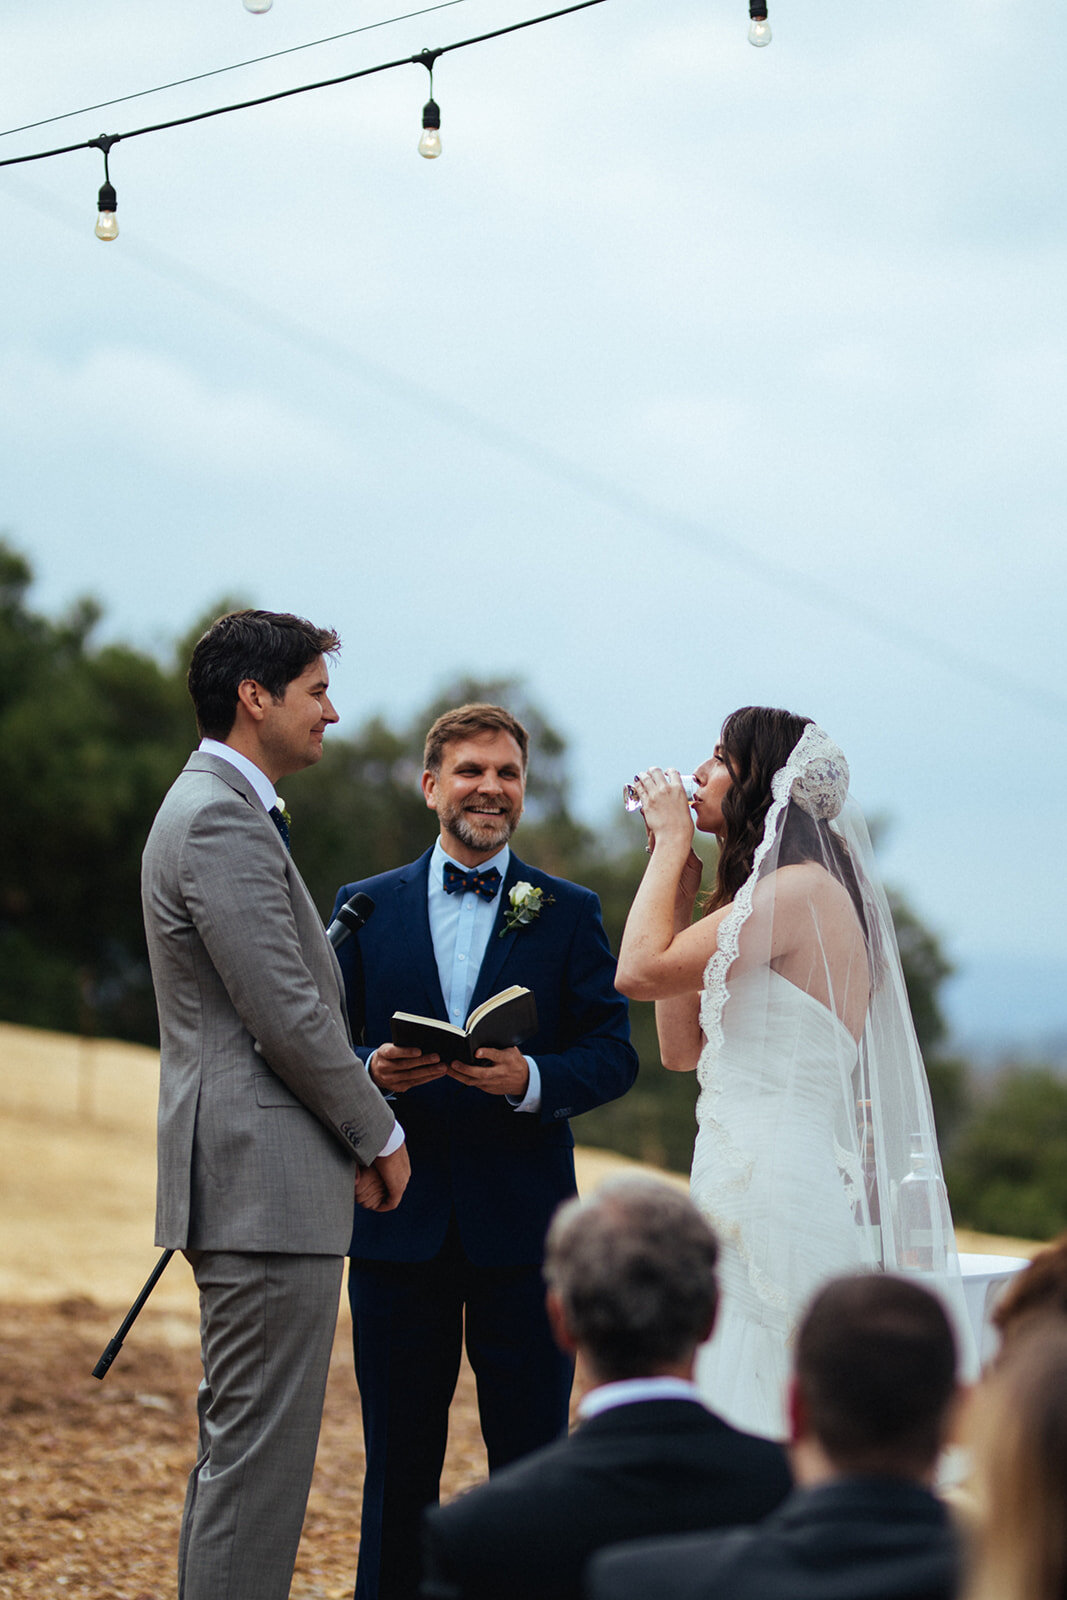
(507,1018)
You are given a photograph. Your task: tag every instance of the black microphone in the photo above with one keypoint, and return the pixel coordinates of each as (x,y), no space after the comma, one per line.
(350,918)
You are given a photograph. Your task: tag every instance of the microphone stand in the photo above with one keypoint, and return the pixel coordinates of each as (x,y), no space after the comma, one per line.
(349,919)
(114,1345)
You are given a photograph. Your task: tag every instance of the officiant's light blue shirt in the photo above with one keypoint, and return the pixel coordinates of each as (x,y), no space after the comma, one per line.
(460,927)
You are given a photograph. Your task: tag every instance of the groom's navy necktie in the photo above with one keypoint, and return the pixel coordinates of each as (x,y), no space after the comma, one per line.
(483,884)
(277,816)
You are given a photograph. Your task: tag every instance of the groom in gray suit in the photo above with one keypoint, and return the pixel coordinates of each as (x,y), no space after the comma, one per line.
(266,1116)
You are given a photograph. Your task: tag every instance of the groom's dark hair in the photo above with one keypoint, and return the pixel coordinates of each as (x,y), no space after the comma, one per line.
(633,1268)
(273,647)
(876,1372)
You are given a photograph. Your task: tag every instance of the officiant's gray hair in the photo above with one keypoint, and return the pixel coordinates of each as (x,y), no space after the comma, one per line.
(633,1267)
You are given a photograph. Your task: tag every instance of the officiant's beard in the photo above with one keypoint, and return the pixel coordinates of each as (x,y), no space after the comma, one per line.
(478,833)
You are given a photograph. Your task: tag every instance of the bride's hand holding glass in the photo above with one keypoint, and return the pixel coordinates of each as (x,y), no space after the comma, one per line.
(665,809)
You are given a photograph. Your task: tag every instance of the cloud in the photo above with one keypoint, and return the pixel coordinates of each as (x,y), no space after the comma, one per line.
(153,407)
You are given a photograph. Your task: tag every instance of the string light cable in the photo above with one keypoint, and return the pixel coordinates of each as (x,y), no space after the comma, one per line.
(423,58)
(429,143)
(235,66)
(701,538)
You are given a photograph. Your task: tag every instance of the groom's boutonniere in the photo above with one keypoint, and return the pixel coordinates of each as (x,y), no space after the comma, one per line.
(524,906)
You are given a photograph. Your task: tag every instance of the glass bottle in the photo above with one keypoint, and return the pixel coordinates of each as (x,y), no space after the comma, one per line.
(921,1212)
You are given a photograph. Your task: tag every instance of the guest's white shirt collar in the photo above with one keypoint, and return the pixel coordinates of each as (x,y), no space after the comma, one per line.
(248,769)
(628,1391)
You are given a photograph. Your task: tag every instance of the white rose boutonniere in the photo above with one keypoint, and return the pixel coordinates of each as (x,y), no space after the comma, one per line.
(524,906)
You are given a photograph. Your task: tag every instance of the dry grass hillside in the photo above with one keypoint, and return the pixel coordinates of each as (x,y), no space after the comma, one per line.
(93,1472)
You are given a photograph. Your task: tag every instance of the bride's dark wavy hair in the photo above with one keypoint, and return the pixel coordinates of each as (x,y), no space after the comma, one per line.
(755,742)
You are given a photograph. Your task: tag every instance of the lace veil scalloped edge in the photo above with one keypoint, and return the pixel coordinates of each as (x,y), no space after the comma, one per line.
(816,776)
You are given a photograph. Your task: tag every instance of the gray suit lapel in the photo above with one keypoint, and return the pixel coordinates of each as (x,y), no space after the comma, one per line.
(201,761)
(219,767)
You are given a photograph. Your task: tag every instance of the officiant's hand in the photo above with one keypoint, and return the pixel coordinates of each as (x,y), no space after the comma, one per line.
(395,1068)
(497,1072)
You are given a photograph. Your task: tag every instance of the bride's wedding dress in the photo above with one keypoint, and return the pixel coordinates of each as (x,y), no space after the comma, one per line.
(815,1153)
(766,1174)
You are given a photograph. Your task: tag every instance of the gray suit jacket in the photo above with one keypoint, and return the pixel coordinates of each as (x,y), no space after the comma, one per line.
(263,1106)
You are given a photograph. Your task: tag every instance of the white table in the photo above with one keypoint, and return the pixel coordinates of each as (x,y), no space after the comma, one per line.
(984,1278)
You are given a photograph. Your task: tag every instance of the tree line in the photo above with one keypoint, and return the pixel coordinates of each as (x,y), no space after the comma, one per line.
(91,736)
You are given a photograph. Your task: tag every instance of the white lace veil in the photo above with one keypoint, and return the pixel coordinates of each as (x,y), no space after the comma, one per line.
(829,933)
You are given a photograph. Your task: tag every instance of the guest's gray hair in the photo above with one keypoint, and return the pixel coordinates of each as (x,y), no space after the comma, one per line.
(634,1269)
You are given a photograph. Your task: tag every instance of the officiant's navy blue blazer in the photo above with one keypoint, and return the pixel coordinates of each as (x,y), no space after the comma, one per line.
(500,1171)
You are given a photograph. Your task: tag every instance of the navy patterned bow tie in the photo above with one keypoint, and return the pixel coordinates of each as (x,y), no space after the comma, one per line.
(277,817)
(484,884)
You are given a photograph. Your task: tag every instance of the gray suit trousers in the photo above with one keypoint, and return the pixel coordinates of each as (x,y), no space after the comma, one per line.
(266,1326)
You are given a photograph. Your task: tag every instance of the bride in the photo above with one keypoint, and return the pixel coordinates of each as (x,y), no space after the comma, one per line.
(815,1150)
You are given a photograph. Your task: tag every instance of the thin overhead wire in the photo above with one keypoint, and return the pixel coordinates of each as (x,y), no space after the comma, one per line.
(702,538)
(424,58)
(236,66)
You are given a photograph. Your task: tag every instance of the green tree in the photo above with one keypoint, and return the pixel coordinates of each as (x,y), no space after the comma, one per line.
(926,967)
(90,737)
(1008,1170)
(361,811)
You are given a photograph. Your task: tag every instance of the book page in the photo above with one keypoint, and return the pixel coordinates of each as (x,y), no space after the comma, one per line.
(432,1022)
(491,1004)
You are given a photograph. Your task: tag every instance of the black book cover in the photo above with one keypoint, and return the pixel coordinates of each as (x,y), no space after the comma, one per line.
(508,1018)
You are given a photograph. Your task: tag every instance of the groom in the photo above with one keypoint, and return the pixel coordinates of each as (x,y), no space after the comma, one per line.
(491,1145)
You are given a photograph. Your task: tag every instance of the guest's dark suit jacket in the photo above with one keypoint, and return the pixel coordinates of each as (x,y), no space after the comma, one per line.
(856,1539)
(656,1466)
(502,1172)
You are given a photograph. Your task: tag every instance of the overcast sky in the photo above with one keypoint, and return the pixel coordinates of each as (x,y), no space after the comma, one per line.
(691,375)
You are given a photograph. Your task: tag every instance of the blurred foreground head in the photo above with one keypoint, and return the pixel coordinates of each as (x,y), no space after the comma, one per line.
(1039,1290)
(875,1377)
(1018,1436)
(631,1278)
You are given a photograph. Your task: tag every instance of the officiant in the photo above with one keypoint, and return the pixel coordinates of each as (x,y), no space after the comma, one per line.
(491,1144)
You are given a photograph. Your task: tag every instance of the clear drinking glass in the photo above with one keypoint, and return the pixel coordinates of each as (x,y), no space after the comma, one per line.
(632,803)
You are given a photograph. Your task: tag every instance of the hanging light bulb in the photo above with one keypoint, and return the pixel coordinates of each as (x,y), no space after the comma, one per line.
(258,6)
(759,29)
(430,142)
(430,139)
(107,223)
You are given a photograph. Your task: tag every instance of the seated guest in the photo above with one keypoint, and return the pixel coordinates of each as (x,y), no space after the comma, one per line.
(632,1292)
(1040,1289)
(869,1404)
(1018,1433)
